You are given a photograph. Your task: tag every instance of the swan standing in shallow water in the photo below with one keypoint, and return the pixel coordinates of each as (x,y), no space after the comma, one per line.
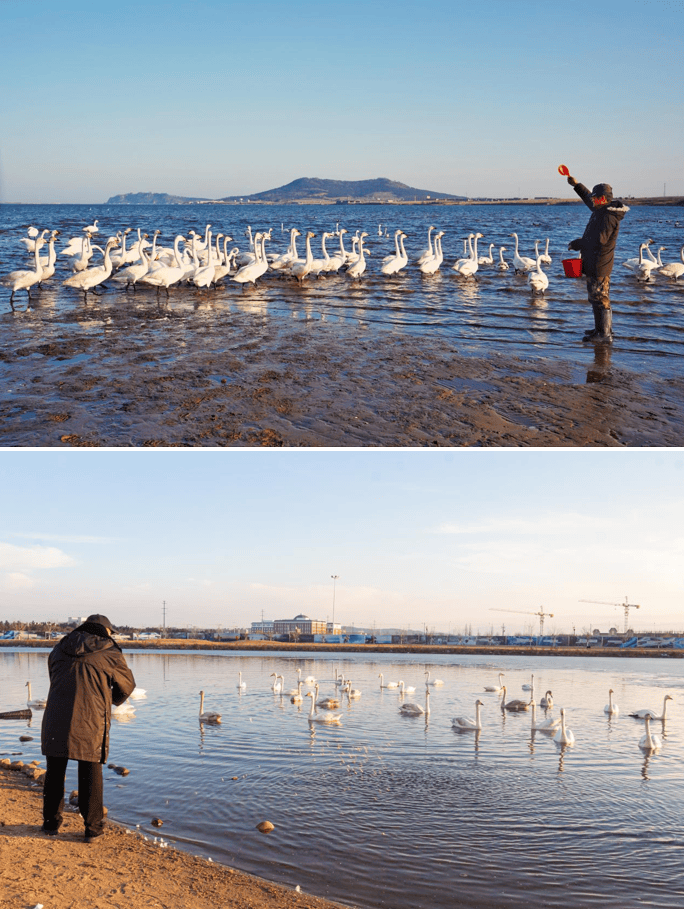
(24,279)
(38,703)
(649,741)
(465,722)
(564,736)
(537,279)
(327,719)
(502,264)
(521,263)
(651,714)
(611,707)
(207,717)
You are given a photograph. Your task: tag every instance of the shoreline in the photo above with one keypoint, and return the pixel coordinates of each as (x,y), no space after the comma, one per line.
(122,869)
(447,649)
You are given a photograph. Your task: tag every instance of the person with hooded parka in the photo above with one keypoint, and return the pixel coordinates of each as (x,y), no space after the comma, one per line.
(597,248)
(88,673)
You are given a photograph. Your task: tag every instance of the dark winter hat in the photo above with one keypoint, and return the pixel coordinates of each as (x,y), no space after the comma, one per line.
(603,189)
(100,620)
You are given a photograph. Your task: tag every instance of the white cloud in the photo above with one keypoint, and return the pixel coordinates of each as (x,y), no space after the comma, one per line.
(26,558)
(15,580)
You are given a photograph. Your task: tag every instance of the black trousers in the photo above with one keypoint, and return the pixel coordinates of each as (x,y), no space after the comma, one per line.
(89,795)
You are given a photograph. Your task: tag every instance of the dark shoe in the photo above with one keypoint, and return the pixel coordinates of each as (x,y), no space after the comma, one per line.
(51,831)
(93,836)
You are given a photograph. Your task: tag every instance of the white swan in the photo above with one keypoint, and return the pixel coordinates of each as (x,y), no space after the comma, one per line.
(351,692)
(521,263)
(138,694)
(634,263)
(502,264)
(406,690)
(389,684)
(49,262)
(488,259)
(547,700)
(651,714)
(356,269)
(327,719)
(537,279)
(207,717)
(432,265)
(297,697)
(92,228)
(468,267)
(496,688)
(645,266)
(301,268)
(395,263)
(611,707)
(649,741)
(38,703)
(564,736)
(428,681)
(529,687)
(309,680)
(162,276)
(287,258)
(277,686)
(545,257)
(673,270)
(124,709)
(24,279)
(241,685)
(550,725)
(250,273)
(411,709)
(426,253)
(92,277)
(465,722)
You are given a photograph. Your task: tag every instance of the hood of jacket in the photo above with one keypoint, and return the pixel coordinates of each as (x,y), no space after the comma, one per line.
(618,208)
(86,639)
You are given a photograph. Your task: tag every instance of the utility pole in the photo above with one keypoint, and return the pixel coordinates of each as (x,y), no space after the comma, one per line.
(335,578)
(163,618)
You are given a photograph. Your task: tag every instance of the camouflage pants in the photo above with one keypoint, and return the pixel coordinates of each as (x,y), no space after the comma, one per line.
(598,290)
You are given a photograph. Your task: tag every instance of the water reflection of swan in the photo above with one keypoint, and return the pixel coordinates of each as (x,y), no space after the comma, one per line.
(464,722)
(651,714)
(564,736)
(207,717)
(649,741)
(611,707)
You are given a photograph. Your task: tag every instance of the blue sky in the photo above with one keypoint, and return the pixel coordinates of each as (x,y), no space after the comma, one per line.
(416,537)
(211,98)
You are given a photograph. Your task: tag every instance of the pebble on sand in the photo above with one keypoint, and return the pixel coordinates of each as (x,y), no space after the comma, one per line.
(156,822)
(265,827)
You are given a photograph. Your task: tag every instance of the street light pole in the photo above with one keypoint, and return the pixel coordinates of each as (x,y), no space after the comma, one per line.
(335,578)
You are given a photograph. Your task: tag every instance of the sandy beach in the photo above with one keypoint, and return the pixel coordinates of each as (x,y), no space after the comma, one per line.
(106,376)
(122,870)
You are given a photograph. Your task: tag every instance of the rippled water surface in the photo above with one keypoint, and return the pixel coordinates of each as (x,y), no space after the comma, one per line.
(393,811)
(494,311)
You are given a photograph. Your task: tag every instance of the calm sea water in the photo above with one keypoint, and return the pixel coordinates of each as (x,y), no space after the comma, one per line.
(391,811)
(496,311)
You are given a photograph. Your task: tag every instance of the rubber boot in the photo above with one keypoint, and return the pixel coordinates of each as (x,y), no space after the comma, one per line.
(605,334)
(591,333)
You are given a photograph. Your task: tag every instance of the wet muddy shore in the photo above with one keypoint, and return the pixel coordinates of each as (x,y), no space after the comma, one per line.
(133,372)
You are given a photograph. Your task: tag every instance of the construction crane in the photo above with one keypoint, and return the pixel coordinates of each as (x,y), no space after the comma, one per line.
(626,606)
(542,615)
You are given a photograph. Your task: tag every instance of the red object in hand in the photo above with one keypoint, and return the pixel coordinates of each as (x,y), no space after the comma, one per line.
(563,171)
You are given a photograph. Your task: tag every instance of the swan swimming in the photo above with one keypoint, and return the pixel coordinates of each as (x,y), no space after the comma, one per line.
(38,703)
(564,736)
(464,722)
(207,717)
(327,719)
(651,714)
(649,741)
(411,709)
(611,707)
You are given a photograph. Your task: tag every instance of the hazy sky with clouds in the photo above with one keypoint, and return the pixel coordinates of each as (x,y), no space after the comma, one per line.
(208,98)
(416,537)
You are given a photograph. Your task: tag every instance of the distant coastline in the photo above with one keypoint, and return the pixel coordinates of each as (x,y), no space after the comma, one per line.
(415,649)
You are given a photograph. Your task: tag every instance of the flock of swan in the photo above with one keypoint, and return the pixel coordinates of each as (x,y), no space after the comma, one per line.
(322,710)
(204,260)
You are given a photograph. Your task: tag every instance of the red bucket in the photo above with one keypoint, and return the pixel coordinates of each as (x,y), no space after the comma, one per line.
(572,268)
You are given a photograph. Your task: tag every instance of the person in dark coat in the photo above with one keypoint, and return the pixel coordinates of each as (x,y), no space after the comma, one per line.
(88,673)
(597,248)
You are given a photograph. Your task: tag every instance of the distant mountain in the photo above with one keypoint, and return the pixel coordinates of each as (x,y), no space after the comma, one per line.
(305,189)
